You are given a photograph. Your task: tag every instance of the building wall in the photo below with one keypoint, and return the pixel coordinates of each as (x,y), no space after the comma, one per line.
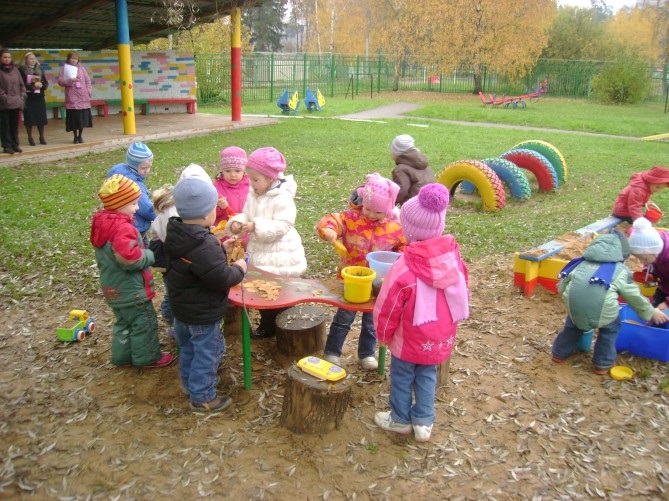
(156,74)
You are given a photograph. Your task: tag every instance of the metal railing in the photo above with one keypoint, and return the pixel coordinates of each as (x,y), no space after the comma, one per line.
(266,75)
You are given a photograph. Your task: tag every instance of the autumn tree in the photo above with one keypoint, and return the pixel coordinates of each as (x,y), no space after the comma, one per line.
(505,36)
(579,34)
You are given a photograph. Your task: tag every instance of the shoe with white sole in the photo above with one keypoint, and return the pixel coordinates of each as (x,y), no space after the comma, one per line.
(369,363)
(333,359)
(422,433)
(385,422)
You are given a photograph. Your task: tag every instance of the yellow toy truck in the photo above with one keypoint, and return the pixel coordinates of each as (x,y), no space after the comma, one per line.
(78,324)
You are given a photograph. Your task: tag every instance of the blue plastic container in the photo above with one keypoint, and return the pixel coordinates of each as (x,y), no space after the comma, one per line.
(585,342)
(642,340)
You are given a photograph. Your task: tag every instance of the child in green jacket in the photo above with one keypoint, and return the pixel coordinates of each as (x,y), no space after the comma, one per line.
(125,276)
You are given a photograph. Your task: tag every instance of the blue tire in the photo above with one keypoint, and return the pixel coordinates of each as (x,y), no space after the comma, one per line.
(510,174)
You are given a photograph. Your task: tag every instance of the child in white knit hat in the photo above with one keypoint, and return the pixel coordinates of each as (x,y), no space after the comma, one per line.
(651,247)
(422,299)
(411,171)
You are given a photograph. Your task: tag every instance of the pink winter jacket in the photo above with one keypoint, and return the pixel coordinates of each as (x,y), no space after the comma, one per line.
(76,98)
(421,300)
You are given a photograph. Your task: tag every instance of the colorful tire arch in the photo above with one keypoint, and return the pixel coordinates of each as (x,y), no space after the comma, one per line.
(551,153)
(511,175)
(480,175)
(537,164)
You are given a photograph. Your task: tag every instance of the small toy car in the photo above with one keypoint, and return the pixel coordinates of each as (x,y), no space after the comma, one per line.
(321,369)
(76,327)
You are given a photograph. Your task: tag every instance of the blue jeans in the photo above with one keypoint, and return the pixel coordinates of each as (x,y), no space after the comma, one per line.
(165,308)
(408,380)
(339,329)
(604,355)
(202,347)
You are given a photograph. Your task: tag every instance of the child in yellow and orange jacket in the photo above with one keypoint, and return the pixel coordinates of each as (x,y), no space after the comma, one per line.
(370,224)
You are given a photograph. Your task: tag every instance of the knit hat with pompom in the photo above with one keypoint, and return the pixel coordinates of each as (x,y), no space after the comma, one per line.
(424,216)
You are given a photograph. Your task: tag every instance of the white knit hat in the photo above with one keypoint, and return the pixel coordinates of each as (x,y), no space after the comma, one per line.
(644,238)
(401,144)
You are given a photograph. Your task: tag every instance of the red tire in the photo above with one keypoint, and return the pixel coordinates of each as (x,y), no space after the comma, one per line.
(537,164)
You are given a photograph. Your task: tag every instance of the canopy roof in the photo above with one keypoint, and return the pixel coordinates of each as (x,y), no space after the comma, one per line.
(91,24)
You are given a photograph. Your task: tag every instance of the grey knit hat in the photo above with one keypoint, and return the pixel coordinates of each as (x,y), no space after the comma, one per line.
(401,144)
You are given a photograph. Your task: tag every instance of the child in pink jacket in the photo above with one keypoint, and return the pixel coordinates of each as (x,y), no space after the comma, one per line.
(422,299)
(370,225)
(232,183)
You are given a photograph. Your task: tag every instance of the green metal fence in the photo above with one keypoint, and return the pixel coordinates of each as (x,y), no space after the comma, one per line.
(266,75)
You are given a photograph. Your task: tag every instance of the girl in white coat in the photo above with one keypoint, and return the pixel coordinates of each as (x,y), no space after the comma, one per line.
(268,218)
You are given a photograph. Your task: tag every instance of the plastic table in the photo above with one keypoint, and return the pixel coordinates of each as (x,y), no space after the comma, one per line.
(292,291)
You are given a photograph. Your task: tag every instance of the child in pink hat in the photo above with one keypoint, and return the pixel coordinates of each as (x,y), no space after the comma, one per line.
(371,224)
(631,202)
(416,314)
(232,183)
(268,219)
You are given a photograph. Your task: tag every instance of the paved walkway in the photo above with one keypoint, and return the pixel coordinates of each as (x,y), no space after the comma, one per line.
(107,134)
(401,110)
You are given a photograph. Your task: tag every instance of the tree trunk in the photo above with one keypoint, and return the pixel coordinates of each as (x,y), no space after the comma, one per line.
(311,405)
(300,330)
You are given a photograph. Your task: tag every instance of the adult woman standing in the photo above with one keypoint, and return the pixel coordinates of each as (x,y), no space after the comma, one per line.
(12,101)
(36,84)
(78,91)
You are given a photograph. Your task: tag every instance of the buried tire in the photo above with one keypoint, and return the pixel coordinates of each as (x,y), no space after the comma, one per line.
(537,164)
(488,184)
(551,153)
(511,175)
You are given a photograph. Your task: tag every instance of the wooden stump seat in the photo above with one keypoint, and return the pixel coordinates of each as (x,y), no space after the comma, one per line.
(311,405)
(300,330)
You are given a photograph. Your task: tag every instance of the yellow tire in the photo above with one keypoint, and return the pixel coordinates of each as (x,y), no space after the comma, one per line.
(488,184)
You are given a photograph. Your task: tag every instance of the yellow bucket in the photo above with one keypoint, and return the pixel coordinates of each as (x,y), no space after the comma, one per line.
(358,283)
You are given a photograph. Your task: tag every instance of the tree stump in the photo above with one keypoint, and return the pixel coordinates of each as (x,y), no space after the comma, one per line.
(300,330)
(311,405)
(442,372)
(232,321)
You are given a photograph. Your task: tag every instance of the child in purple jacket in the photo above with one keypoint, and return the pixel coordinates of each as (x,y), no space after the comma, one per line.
(416,314)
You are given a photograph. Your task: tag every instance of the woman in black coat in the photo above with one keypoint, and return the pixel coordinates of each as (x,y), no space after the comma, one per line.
(36,84)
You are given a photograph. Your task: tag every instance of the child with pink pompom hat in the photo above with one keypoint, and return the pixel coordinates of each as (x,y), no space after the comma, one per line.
(422,299)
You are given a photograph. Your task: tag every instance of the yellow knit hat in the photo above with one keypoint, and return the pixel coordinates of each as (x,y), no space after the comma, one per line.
(118,191)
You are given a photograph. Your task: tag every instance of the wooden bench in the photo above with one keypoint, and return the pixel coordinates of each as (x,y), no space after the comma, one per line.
(103,109)
(143,103)
(58,109)
(190,103)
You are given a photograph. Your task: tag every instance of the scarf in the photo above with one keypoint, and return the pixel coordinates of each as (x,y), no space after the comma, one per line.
(602,275)
(457,297)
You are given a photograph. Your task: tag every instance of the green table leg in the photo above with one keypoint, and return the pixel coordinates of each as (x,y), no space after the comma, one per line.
(382,360)
(246,349)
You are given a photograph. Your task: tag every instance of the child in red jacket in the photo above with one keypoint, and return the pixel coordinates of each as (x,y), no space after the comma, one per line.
(125,276)
(422,299)
(631,201)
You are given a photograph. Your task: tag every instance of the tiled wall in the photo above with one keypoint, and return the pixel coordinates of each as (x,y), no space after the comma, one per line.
(156,74)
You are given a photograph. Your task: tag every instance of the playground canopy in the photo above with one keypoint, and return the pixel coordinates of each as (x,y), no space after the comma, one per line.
(91,24)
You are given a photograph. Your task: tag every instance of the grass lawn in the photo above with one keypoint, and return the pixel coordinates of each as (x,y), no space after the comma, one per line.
(45,209)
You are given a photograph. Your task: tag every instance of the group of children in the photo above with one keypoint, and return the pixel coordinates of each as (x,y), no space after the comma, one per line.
(418,307)
(591,285)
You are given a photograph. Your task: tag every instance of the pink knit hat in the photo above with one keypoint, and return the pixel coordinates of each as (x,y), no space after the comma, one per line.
(379,194)
(268,161)
(424,216)
(233,157)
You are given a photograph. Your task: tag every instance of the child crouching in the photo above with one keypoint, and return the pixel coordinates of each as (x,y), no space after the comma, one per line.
(590,287)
